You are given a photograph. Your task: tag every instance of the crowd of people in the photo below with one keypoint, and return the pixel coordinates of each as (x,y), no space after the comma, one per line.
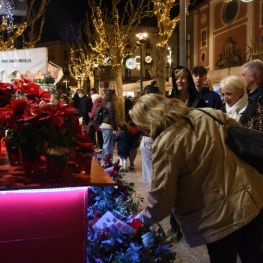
(212,196)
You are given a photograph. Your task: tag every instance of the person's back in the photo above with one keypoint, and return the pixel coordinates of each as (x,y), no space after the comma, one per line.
(127,107)
(85,106)
(124,141)
(108,126)
(96,101)
(76,100)
(136,134)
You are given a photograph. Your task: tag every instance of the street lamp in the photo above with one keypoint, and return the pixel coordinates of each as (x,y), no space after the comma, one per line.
(142,40)
(66,81)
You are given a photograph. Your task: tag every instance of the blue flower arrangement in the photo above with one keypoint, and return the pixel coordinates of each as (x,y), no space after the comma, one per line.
(129,241)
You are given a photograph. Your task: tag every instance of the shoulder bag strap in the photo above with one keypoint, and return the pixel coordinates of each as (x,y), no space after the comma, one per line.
(212,116)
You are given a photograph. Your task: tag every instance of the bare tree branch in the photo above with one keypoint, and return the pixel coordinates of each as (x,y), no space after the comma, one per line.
(9,35)
(33,32)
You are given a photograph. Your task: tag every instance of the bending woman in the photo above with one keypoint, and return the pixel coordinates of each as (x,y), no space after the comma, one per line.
(217,198)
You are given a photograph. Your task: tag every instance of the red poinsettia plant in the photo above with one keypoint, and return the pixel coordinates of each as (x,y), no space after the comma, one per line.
(82,144)
(34,120)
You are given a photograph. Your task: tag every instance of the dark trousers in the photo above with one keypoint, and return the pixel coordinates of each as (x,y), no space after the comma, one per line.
(246,242)
(100,139)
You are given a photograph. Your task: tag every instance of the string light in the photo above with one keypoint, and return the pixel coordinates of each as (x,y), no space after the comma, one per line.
(81,63)
(7,14)
(165,24)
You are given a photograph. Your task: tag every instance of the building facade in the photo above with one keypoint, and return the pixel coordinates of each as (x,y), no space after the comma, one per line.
(222,34)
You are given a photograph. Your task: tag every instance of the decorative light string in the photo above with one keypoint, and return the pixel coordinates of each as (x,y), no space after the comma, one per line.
(7,14)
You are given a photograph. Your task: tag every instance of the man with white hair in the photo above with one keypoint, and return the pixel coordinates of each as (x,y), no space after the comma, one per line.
(252,74)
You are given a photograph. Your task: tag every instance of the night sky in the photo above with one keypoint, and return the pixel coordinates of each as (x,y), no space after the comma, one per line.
(61,15)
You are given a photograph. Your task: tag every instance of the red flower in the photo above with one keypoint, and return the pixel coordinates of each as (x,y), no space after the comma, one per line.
(18,105)
(136,224)
(7,88)
(84,146)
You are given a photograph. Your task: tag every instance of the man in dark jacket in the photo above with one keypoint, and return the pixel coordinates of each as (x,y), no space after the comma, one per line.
(84,106)
(211,98)
(252,74)
(76,100)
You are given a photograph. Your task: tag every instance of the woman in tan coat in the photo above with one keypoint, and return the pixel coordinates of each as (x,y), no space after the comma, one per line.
(217,198)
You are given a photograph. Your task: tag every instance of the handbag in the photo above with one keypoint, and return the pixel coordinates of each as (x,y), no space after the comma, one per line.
(90,130)
(245,143)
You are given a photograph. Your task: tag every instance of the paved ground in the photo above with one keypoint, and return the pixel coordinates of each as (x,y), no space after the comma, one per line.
(185,254)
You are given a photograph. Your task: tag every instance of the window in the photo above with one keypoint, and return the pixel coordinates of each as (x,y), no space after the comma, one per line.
(51,54)
(203,56)
(127,74)
(147,43)
(66,55)
(203,38)
(230,11)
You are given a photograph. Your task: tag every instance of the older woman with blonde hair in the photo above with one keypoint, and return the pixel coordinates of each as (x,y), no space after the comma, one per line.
(237,104)
(217,198)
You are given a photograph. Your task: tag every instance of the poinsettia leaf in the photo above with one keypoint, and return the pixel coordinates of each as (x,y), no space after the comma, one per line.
(58,120)
(18,105)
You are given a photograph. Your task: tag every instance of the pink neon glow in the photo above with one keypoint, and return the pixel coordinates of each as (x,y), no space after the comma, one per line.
(41,226)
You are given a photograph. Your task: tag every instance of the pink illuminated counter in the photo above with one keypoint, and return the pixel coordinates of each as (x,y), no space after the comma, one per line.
(42,221)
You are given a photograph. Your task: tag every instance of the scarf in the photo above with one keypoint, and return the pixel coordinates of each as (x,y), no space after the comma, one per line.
(238,108)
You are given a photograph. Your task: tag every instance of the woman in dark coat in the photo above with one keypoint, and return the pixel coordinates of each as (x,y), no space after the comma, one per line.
(96,101)
(184,88)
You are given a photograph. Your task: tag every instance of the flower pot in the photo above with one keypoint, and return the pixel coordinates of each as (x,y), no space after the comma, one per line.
(13,152)
(57,163)
(30,158)
(83,161)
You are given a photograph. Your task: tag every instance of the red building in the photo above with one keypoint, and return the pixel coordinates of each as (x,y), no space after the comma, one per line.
(219,34)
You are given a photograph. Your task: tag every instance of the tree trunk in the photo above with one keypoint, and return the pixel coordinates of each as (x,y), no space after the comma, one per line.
(119,92)
(161,72)
(91,80)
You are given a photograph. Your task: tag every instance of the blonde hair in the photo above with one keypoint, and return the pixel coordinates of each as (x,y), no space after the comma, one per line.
(154,113)
(209,84)
(232,84)
(181,73)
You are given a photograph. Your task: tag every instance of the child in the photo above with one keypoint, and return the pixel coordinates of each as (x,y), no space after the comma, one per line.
(136,133)
(124,139)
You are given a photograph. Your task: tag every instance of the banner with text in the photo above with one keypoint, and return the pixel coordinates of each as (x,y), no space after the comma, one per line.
(22,60)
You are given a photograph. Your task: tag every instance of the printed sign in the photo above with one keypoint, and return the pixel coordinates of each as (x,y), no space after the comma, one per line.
(22,60)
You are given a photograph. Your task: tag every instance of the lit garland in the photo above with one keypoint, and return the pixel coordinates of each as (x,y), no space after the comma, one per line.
(81,64)
(165,24)
(7,14)
(112,34)
(16,31)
